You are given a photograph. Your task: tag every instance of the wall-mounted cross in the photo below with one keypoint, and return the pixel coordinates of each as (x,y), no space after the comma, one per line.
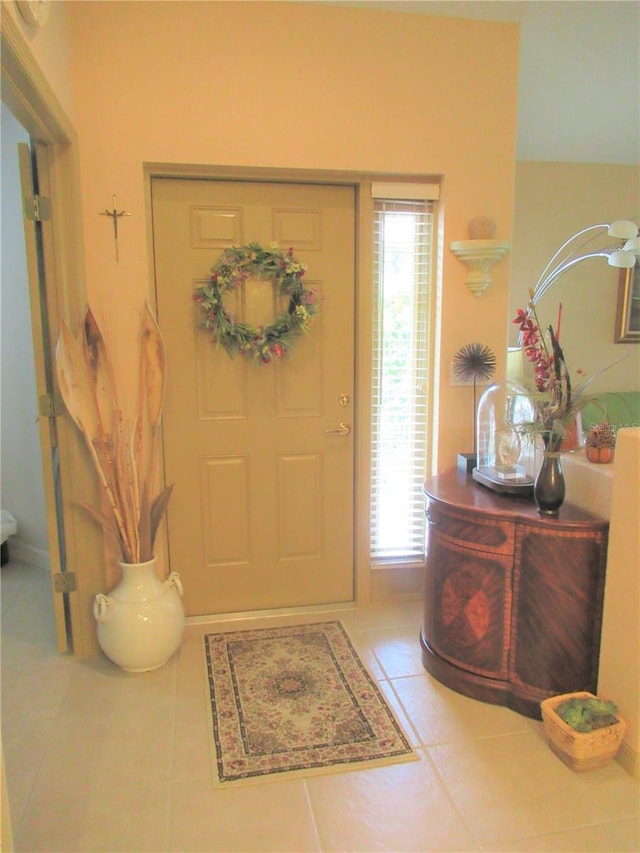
(115,214)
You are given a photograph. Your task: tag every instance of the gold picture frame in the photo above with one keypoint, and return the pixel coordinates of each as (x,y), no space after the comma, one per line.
(628,313)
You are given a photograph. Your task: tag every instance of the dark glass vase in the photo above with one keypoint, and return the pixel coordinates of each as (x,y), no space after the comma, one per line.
(549,487)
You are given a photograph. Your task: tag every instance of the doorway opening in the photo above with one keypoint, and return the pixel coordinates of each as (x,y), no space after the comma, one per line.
(22,480)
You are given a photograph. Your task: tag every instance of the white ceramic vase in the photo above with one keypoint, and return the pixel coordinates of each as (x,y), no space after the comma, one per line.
(141,622)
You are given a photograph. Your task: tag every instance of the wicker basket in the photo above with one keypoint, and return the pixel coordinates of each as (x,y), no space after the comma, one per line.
(580,750)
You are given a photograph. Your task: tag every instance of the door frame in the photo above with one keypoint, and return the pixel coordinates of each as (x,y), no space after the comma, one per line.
(29,96)
(370,584)
(363,271)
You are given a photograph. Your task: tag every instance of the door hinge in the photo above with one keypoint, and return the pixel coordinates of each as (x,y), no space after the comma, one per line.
(50,405)
(37,208)
(64,582)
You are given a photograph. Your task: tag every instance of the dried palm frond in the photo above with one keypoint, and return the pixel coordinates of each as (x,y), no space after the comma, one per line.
(124,458)
(76,383)
(152,367)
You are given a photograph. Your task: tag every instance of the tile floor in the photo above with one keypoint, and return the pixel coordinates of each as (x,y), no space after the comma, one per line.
(100,760)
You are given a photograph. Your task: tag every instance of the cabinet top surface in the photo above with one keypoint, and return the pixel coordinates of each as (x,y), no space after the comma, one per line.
(460,491)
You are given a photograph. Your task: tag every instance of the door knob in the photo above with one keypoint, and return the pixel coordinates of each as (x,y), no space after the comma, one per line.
(342,429)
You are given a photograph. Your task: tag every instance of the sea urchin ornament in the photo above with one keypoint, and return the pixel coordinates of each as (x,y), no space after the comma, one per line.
(474,362)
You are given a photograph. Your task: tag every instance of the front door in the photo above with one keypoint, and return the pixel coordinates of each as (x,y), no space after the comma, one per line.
(262,513)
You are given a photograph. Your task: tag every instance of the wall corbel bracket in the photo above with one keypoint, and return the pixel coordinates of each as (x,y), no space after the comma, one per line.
(479,256)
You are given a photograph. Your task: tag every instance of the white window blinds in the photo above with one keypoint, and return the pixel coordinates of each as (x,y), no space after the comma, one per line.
(403,233)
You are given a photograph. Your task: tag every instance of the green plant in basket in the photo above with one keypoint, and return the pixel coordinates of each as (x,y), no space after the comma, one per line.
(585,714)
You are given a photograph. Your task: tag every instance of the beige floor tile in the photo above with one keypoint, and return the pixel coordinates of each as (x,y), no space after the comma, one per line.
(615,837)
(193,749)
(132,820)
(132,757)
(441,715)
(26,604)
(361,643)
(263,817)
(97,685)
(197,629)
(32,638)
(513,786)
(397,650)
(191,679)
(377,615)
(380,616)
(108,751)
(386,687)
(35,687)
(384,615)
(399,807)
(24,744)
(615,790)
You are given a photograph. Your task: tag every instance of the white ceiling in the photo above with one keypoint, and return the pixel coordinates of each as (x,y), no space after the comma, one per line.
(579,88)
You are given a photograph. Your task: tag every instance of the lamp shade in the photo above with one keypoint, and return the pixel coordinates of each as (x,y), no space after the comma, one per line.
(624,229)
(632,245)
(622,259)
(515,365)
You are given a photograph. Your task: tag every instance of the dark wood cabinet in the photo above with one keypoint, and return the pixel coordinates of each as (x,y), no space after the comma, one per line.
(513,600)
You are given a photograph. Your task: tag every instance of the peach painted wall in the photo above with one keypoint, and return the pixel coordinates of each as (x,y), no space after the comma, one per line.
(554,201)
(296,86)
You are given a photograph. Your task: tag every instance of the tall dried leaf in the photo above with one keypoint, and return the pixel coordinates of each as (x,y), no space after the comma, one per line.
(151,515)
(106,521)
(126,491)
(76,384)
(152,367)
(158,509)
(146,545)
(101,371)
(125,466)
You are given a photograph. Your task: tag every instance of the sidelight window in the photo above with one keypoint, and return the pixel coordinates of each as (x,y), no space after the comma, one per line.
(402,268)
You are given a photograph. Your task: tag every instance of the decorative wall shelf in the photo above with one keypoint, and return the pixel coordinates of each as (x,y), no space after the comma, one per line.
(479,256)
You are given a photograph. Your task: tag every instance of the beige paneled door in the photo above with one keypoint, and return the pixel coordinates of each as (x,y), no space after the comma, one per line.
(262,514)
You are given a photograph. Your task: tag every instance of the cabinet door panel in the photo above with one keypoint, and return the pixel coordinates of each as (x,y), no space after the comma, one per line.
(469,603)
(558,593)
(477,532)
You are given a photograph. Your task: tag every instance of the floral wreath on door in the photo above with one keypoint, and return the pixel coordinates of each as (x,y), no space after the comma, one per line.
(262,344)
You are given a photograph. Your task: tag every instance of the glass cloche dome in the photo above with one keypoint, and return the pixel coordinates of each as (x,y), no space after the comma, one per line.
(506,460)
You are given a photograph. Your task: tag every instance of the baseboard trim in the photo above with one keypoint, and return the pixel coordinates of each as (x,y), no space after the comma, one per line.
(28,554)
(629,759)
(397,583)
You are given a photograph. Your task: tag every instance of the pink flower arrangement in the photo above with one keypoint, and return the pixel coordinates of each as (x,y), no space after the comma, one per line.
(555,401)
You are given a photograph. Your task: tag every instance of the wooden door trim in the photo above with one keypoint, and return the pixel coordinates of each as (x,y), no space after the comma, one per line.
(361,182)
(363,250)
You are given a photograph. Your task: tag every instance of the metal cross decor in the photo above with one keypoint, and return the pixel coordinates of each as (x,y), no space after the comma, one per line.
(115,214)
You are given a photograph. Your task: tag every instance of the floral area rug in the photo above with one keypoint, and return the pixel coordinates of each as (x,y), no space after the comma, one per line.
(295,700)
